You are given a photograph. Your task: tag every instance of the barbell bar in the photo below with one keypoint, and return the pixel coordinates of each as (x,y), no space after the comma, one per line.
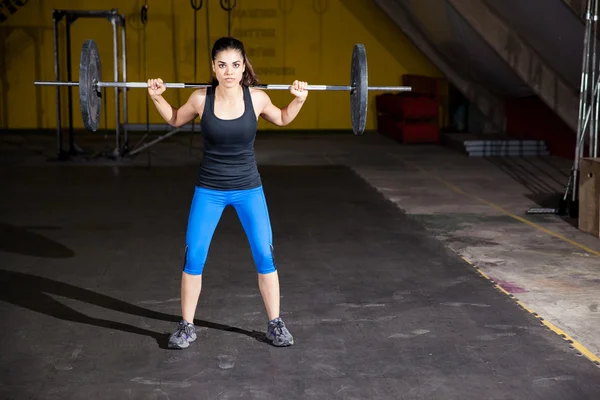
(171,85)
(90,71)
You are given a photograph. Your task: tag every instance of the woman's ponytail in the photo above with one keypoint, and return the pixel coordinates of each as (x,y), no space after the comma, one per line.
(250,78)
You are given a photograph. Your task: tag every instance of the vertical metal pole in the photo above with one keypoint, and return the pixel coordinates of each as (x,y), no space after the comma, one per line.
(195,46)
(116,79)
(593,150)
(69,78)
(124,72)
(208,46)
(582,102)
(593,111)
(594,123)
(59,149)
(195,61)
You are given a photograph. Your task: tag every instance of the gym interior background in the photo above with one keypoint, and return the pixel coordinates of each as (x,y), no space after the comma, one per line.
(461,263)
(285,40)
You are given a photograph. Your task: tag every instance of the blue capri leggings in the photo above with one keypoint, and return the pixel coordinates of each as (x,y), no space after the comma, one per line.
(205,213)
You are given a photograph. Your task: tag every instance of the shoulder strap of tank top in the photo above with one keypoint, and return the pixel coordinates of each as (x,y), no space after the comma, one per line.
(210,98)
(248,100)
(247,97)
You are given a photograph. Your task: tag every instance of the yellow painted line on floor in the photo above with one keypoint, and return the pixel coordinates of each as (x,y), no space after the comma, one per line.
(576,345)
(502,210)
(524,220)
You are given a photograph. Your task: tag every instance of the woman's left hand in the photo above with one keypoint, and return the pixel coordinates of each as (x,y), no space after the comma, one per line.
(299,90)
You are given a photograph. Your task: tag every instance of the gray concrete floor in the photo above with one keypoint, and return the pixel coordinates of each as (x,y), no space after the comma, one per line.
(475,206)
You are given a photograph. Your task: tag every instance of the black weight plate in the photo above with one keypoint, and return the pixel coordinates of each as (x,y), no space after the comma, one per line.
(90,96)
(359,93)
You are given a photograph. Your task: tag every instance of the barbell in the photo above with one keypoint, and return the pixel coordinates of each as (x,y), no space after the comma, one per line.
(90,94)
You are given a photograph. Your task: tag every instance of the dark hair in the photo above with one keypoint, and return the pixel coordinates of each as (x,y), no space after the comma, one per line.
(229,43)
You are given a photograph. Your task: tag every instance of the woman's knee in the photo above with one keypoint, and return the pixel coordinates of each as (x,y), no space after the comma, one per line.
(195,259)
(264,259)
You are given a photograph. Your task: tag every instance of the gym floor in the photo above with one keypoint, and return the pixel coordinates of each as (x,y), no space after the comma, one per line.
(407,272)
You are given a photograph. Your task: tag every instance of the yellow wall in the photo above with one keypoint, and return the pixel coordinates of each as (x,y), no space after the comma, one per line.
(301,44)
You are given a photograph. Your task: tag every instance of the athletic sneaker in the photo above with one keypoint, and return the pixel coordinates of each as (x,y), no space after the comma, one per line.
(278,333)
(185,334)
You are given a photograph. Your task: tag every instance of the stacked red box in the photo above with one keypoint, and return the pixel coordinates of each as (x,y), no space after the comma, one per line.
(411,117)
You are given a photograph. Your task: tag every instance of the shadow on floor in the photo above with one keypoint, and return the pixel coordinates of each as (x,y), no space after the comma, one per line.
(541,180)
(31,292)
(23,241)
(552,200)
(544,181)
(546,200)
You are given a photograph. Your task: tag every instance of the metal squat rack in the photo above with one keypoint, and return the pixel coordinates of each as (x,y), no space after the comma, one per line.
(117,21)
(589,108)
(588,119)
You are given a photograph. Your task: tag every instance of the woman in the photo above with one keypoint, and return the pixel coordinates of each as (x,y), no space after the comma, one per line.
(229,112)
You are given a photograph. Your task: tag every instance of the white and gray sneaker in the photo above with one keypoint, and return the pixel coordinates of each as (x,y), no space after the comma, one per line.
(278,333)
(183,336)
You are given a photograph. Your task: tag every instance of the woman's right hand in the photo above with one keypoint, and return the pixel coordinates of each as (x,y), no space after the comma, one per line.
(156,87)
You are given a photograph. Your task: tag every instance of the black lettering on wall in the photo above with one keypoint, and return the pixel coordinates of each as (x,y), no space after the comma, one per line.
(254,33)
(255,13)
(266,71)
(261,52)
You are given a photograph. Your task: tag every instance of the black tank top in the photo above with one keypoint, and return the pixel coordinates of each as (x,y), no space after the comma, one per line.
(228,162)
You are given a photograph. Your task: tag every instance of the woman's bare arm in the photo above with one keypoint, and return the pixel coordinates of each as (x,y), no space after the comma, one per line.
(285,115)
(176,117)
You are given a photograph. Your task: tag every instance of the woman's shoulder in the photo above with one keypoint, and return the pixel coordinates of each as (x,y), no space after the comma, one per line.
(200,93)
(258,94)
(197,97)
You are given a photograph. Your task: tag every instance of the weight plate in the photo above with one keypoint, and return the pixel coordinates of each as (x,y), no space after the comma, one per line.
(360,89)
(90,96)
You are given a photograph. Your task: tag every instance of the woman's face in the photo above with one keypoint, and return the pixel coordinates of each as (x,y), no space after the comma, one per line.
(229,67)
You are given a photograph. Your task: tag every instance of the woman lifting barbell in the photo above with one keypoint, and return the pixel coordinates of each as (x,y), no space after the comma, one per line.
(229,111)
